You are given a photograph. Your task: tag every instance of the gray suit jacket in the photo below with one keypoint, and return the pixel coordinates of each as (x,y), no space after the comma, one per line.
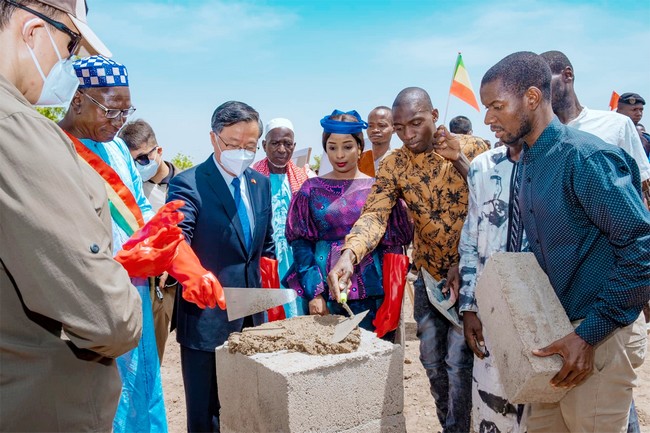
(66,307)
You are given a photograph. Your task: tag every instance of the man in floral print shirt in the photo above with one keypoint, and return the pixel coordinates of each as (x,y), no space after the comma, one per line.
(429,173)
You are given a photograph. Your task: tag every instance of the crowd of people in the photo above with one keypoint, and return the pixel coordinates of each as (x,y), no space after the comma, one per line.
(106,247)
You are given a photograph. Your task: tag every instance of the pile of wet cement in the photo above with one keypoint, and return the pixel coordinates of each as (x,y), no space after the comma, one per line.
(310,334)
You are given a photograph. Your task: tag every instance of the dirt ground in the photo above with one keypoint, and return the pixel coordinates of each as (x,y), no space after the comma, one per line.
(419,407)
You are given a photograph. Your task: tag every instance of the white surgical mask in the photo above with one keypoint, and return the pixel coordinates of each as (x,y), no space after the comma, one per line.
(236,161)
(60,84)
(147,171)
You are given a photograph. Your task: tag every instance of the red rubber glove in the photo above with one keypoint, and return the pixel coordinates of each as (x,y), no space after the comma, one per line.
(394,277)
(271,280)
(167,216)
(200,286)
(152,255)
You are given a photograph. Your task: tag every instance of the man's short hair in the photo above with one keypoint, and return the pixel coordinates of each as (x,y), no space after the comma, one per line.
(232,112)
(520,71)
(381,107)
(7,10)
(557,61)
(412,95)
(631,99)
(136,134)
(460,125)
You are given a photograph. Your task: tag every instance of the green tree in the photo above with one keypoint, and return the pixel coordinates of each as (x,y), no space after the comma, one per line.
(183,162)
(316,164)
(53,113)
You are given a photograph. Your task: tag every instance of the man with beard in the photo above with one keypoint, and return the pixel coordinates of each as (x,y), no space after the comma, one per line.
(611,127)
(581,209)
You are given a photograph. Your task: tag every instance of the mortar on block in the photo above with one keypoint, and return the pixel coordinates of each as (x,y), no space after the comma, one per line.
(521,312)
(360,390)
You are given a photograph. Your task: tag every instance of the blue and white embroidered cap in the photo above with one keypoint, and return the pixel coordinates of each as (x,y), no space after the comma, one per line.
(98,71)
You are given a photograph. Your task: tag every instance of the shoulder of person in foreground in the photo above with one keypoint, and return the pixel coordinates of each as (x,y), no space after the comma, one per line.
(50,202)
(472,145)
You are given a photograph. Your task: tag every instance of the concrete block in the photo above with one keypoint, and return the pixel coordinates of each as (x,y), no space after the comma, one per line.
(290,392)
(391,424)
(521,312)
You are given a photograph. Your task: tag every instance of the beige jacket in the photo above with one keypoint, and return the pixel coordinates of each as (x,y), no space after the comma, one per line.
(66,307)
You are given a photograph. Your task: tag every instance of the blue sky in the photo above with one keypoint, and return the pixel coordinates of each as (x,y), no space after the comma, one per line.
(302,59)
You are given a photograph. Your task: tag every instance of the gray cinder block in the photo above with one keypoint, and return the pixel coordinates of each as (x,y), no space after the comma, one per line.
(296,392)
(521,312)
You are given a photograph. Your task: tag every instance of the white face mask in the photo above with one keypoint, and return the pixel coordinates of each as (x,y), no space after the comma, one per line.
(60,84)
(236,161)
(147,171)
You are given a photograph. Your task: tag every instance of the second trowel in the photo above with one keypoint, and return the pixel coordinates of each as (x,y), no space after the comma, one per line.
(347,325)
(242,301)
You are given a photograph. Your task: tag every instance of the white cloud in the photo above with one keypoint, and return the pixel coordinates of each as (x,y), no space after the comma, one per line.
(189,27)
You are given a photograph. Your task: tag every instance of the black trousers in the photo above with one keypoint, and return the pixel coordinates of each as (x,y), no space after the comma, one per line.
(201,395)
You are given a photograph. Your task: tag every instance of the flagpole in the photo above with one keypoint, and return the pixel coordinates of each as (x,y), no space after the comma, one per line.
(453,74)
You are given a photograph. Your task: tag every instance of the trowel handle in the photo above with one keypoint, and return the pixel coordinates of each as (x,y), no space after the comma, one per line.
(343,296)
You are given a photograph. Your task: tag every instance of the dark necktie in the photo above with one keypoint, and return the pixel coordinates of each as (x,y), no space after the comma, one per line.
(241,213)
(516,229)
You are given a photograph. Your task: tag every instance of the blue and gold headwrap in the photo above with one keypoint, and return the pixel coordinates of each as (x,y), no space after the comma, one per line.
(341,127)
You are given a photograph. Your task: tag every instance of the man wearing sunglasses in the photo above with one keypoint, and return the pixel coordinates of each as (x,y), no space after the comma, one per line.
(67,308)
(156,174)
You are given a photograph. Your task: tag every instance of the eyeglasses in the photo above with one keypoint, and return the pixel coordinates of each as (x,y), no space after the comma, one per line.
(251,148)
(75,38)
(143,159)
(111,113)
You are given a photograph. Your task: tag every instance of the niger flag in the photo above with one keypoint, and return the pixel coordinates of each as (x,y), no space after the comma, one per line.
(461,86)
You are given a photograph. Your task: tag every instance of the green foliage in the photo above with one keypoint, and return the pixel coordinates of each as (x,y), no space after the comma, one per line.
(181,161)
(53,113)
(316,164)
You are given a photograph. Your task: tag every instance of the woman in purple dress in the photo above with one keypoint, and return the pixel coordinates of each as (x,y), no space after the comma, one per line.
(322,213)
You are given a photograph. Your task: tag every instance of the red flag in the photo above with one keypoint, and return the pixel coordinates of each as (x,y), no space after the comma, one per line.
(461,86)
(613,101)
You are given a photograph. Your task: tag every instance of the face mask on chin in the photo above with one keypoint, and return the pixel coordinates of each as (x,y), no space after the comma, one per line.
(61,83)
(237,161)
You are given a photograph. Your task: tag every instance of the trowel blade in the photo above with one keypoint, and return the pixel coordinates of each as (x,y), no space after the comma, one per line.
(345,327)
(243,301)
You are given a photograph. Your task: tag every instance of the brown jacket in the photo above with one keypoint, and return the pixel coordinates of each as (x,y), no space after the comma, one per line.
(66,307)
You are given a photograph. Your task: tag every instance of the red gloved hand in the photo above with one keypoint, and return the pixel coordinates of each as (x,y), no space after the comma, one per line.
(200,286)
(152,255)
(394,278)
(271,280)
(167,216)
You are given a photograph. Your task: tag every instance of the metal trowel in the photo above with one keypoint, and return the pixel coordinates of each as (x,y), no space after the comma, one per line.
(346,326)
(244,301)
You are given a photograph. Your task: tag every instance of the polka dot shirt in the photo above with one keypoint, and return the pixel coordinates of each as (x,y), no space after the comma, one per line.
(586,223)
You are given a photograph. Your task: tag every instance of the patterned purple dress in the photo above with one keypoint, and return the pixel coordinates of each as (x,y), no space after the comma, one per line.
(321,214)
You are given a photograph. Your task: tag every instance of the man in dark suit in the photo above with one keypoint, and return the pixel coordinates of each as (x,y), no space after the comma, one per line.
(228,224)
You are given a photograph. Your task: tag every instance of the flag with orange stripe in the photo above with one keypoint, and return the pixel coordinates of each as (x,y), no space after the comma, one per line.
(613,101)
(461,87)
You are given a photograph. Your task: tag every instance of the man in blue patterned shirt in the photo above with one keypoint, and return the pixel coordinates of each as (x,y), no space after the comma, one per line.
(581,208)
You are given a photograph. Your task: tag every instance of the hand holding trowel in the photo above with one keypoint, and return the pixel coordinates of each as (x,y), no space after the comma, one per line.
(346,326)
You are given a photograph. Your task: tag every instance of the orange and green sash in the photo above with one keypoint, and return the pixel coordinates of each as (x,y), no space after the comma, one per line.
(124,209)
